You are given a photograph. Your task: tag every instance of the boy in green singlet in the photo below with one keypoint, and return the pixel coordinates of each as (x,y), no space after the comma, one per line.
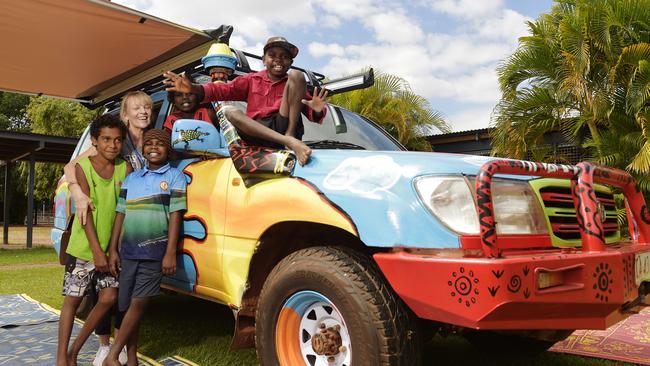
(100,177)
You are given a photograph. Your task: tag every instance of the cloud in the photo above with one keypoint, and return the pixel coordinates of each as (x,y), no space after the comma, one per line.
(255,20)
(468,9)
(451,63)
(508,25)
(348,9)
(394,28)
(471,118)
(318,49)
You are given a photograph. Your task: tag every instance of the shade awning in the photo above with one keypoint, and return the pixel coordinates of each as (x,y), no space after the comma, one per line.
(15,146)
(78,49)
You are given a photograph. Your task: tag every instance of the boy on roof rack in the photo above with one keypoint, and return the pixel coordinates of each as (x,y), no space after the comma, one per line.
(275,100)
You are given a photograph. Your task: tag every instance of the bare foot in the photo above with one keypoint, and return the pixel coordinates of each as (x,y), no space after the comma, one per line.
(111,362)
(61,361)
(301,150)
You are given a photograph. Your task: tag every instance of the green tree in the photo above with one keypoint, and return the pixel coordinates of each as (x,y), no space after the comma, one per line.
(53,117)
(584,70)
(391,103)
(12,112)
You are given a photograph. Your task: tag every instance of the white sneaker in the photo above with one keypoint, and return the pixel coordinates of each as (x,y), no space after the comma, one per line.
(101,354)
(123,358)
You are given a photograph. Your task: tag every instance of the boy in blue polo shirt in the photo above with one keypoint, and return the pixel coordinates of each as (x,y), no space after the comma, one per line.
(149,215)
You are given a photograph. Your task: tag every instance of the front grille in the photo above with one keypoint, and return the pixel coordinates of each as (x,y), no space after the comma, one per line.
(558,205)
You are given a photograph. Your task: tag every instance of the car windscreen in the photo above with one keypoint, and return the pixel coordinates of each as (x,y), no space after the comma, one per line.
(343,129)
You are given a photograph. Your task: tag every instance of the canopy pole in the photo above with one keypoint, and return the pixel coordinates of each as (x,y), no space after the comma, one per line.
(5,204)
(30,201)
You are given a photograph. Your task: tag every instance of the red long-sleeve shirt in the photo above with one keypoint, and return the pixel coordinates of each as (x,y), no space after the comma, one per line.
(262,94)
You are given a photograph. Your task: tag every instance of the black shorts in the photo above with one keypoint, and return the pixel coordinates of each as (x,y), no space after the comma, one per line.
(277,123)
(138,278)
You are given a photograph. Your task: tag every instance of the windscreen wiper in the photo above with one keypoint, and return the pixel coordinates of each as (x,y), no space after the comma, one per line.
(324,144)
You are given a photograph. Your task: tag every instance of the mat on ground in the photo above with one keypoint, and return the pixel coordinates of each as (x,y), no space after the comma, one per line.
(627,341)
(29,330)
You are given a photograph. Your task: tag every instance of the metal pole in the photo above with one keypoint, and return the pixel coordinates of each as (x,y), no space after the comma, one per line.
(30,201)
(5,208)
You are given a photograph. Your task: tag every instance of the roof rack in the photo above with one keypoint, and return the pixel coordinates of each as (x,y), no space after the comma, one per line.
(195,69)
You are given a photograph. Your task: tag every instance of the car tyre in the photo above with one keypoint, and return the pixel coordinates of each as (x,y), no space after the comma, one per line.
(316,290)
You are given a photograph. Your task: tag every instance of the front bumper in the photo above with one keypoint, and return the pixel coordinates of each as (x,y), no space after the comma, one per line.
(597,289)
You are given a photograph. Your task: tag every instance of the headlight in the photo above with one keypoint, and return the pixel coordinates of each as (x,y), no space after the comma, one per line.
(516,208)
(451,200)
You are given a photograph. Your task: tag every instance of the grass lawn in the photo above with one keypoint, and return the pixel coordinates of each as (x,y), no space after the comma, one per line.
(31,256)
(201,331)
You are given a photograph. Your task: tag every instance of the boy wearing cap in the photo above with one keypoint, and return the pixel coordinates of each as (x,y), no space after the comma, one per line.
(275,100)
(147,227)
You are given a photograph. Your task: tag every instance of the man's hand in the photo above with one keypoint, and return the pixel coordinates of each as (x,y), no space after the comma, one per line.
(114,263)
(177,83)
(81,203)
(169,264)
(101,261)
(318,100)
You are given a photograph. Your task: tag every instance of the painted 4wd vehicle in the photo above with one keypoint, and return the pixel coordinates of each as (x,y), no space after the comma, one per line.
(345,260)
(352,258)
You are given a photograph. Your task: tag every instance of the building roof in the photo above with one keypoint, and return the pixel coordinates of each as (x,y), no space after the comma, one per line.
(16,146)
(468,135)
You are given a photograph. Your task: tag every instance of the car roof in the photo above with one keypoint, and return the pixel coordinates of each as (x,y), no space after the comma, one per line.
(88,50)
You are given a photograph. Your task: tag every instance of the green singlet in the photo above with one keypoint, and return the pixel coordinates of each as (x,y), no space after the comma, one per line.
(104,194)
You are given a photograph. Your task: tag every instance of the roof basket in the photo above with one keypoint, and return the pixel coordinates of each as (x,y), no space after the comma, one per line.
(336,86)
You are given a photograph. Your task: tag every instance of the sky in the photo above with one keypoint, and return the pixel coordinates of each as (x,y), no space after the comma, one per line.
(447,50)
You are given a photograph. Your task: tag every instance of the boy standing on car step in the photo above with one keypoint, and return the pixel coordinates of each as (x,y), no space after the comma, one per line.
(100,178)
(275,97)
(149,214)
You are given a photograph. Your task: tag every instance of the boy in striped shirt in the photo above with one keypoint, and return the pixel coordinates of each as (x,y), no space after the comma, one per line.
(147,226)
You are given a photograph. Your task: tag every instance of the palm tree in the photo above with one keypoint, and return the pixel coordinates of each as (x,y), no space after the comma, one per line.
(584,70)
(392,103)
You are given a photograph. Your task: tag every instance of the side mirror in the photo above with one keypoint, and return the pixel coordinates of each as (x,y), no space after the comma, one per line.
(200,138)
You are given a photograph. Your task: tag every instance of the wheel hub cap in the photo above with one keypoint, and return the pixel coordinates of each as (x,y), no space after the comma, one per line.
(328,342)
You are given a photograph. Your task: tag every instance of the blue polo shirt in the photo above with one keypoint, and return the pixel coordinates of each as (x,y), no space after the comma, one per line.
(146,199)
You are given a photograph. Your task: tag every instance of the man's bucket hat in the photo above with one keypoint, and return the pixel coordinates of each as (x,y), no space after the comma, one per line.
(219,55)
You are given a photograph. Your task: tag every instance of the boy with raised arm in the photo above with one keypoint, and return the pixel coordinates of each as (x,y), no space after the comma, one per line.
(275,97)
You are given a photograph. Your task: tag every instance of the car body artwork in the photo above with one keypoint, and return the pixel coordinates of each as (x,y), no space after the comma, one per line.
(353,258)
(250,212)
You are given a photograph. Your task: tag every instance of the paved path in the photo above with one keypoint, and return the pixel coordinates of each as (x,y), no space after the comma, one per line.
(27,265)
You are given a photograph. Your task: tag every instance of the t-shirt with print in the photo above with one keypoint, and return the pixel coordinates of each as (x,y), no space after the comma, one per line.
(146,199)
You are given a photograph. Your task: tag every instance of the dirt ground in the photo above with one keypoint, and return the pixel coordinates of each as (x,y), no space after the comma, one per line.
(18,237)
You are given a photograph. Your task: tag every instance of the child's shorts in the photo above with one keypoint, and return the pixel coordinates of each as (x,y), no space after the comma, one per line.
(81,274)
(138,278)
(277,123)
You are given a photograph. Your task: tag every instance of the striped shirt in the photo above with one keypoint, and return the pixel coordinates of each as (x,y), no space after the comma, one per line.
(146,199)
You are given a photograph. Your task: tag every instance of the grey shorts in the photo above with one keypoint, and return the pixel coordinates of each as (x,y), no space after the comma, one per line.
(80,276)
(138,278)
